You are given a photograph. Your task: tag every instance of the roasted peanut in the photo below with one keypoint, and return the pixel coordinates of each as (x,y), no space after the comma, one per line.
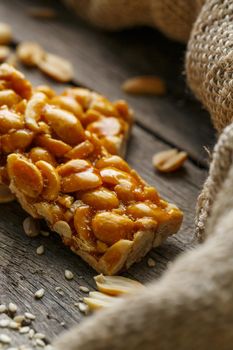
(105,127)
(170,160)
(17,140)
(83,96)
(63,228)
(101,198)
(140,210)
(10,120)
(112,144)
(83,150)
(57,148)
(110,228)
(16,80)
(113,176)
(65,125)
(84,180)
(73,166)
(82,217)
(68,103)
(34,109)
(39,153)
(145,85)
(56,68)
(9,98)
(50,211)
(25,175)
(117,285)
(47,90)
(113,161)
(97,300)
(51,180)
(102,105)
(30,53)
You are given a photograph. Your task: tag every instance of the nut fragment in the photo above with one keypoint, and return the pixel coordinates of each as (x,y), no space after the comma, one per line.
(31,227)
(169,160)
(30,53)
(116,285)
(63,228)
(145,85)
(5,194)
(5,34)
(51,180)
(56,67)
(25,175)
(98,300)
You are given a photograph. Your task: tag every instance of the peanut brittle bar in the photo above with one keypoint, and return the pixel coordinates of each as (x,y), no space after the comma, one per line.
(55,159)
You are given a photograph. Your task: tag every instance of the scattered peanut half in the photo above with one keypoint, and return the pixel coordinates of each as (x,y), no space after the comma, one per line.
(145,85)
(56,67)
(117,285)
(30,53)
(169,160)
(5,34)
(98,300)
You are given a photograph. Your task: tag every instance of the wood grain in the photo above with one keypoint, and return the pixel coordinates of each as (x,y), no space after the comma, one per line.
(102,61)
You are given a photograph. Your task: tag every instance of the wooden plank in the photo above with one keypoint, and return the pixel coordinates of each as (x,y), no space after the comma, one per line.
(22,271)
(103,61)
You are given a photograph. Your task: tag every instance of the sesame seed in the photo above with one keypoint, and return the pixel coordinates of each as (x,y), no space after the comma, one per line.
(151,262)
(83,308)
(24,330)
(19,318)
(29,316)
(40,342)
(84,289)
(69,275)
(31,333)
(5,339)
(39,293)
(40,250)
(14,325)
(12,307)
(49,347)
(3,308)
(4,323)
(59,290)
(39,336)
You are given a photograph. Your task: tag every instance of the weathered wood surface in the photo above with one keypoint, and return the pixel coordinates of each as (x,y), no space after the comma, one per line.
(102,61)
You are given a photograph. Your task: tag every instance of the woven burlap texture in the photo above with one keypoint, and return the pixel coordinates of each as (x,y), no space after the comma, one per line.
(191,306)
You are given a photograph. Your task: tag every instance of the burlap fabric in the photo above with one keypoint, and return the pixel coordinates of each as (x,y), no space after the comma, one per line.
(191,306)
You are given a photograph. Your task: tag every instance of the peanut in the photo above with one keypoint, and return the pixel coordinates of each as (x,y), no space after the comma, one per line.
(117,285)
(170,160)
(84,180)
(39,153)
(110,228)
(57,148)
(34,109)
(30,53)
(145,85)
(51,180)
(25,175)
(56,68)
(101,199)
(65,125)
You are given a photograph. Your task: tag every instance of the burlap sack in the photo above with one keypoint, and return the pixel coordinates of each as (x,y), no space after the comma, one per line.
(191,306)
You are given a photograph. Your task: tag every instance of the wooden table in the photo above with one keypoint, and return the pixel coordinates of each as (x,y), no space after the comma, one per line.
(102,61)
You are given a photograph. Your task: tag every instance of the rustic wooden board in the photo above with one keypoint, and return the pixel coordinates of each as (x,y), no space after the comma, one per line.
(102,61)
(173,120)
